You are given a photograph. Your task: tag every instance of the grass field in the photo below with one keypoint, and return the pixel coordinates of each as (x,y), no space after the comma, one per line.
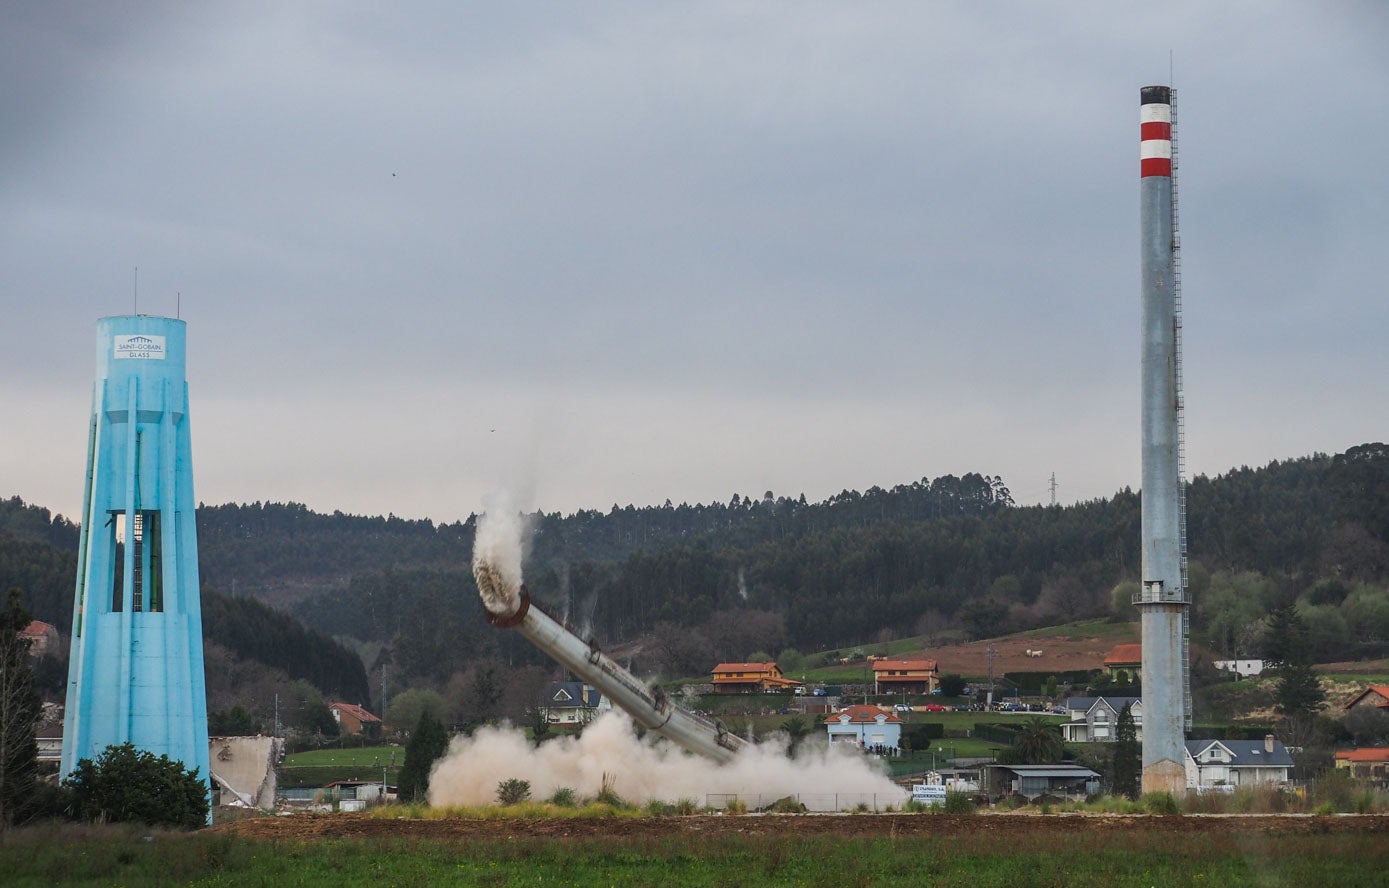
(1054,851)
(319,767)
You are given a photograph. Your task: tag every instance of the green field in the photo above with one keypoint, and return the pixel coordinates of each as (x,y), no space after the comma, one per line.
(1061,851)
(367,756)
(319,767)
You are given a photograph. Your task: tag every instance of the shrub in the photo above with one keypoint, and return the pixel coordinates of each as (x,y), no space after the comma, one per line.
(686,807)
(736,806)
(958,803)
(607,795)
(563,797)
(129,784)
(513,791)
(787,805)
(1161,803)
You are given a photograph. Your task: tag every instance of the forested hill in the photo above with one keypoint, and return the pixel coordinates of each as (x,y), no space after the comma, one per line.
(1259,538)
(38,556)
(721,581)
(281,551)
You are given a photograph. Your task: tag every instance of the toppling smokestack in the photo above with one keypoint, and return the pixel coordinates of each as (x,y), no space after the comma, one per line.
(1163,599)
(510,607)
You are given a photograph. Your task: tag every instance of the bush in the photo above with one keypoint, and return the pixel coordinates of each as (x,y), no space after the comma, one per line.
(1160,803)
(129,784)
(787,805)
(513,791)
(958,803)
(563,798)
(607,795)
(736,806)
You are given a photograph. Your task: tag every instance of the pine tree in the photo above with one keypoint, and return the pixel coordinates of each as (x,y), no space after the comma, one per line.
(1128,755)
(427,745)
(20,708)
(1299,694)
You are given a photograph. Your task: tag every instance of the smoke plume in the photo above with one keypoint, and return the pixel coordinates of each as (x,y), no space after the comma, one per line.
(646,770)
(498,551)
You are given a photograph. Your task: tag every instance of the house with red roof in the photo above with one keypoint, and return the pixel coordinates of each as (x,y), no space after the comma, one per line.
(1365,764)
(866,727)
(42,637)
(1125,658)
(1373,697)
(901,675)
(750,678)
(353,719)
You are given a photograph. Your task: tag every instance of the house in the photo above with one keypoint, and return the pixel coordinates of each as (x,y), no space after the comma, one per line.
(1242,668)
(1365,764)
(1033,781)
(353,719)
(866,727)
(42,638)
(1222,765)
(1096,719)
(750,678)
(1125,658)
(895,675)
(49,738)
(1375,697)
(571,703)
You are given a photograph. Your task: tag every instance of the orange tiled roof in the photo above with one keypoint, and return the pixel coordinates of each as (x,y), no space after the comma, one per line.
(38,627)
(1372,754)
(1123,654)
(745,667)
(1382,690)
(353,709)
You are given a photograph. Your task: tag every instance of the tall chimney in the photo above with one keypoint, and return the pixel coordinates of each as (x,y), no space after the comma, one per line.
(1162,599)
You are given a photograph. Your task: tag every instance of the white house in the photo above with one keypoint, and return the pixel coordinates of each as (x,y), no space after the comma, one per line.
(572,703)
(865,727)
(1095,719)
(1242,668)
(1222,765)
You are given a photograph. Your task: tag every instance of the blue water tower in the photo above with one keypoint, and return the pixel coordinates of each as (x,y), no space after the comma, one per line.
(136,668)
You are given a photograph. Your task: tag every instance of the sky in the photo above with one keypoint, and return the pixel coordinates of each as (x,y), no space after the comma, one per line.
(612,253)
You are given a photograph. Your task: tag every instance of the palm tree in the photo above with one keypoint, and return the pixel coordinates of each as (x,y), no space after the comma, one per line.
(1038,743)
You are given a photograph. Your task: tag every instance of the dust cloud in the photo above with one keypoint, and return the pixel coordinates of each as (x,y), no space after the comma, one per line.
(498,551)
(643,770)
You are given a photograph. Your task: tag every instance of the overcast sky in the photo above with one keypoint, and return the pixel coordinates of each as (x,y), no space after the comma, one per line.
(603,253)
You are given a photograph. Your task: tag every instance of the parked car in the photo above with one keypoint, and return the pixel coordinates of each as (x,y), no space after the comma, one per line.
(936,707)
(902,707)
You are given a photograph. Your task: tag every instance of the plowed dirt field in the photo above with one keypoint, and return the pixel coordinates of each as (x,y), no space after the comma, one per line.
(310,827)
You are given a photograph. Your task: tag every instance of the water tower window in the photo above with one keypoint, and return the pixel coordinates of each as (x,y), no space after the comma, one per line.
(117,540)
(152,568)
(137,541)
